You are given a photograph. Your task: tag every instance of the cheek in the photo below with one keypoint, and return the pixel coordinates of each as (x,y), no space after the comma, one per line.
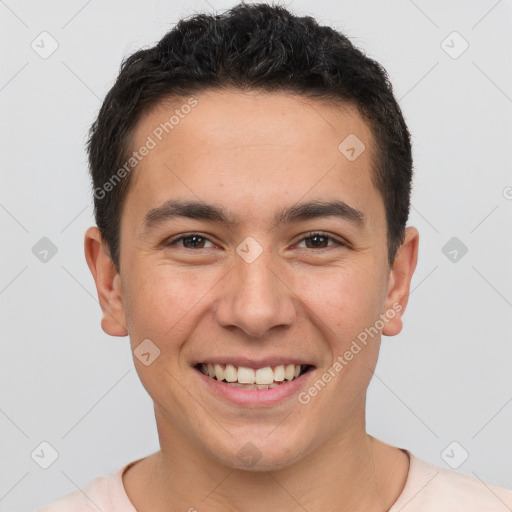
(165,302)
(344,305)
(345,299)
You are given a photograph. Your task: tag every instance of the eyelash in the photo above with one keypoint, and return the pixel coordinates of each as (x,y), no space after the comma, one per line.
(310,235)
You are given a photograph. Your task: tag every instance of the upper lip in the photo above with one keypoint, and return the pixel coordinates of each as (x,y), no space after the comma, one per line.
(253,363)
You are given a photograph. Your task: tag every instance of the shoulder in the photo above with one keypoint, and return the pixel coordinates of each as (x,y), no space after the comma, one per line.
(105,493)
(431,488)
(79,501)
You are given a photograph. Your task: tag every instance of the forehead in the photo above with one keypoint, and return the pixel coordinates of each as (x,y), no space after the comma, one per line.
(252,150)
(224,120)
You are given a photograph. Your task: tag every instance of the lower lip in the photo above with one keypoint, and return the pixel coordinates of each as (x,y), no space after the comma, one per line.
(255,397)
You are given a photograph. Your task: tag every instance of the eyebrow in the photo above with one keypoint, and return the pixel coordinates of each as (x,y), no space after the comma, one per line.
(202,211)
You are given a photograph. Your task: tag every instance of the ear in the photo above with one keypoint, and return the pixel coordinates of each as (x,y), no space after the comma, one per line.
(108,283)
(400,281)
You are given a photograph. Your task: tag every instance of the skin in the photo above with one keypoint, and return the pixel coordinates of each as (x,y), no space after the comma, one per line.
(254,154)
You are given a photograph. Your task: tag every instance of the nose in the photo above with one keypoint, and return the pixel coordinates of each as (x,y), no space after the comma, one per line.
(256,298)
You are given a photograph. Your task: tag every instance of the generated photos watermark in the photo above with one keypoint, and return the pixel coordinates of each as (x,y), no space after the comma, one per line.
(152,141)
(356,347)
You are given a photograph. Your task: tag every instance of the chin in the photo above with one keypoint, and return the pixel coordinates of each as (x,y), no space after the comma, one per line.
(262,453)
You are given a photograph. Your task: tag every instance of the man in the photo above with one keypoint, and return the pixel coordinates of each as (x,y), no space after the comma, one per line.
(252,177)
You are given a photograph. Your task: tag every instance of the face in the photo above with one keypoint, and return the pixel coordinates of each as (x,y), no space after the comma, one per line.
(249,239)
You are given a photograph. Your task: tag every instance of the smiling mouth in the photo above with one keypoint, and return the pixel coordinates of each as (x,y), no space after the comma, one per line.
(268,377)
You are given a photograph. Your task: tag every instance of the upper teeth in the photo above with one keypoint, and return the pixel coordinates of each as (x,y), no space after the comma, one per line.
(244,375)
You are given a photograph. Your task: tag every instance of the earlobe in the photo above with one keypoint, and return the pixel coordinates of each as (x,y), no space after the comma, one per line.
(400,281)
(108,283)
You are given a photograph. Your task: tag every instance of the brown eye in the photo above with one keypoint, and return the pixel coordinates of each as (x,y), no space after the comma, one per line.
(320,241)
(192,241)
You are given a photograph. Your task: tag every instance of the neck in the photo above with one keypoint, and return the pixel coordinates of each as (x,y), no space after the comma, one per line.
(353,472)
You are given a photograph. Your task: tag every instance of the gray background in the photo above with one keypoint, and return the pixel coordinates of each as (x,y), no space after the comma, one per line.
(445,378)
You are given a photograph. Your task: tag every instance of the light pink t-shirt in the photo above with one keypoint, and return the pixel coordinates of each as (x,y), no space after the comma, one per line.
(428,489)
